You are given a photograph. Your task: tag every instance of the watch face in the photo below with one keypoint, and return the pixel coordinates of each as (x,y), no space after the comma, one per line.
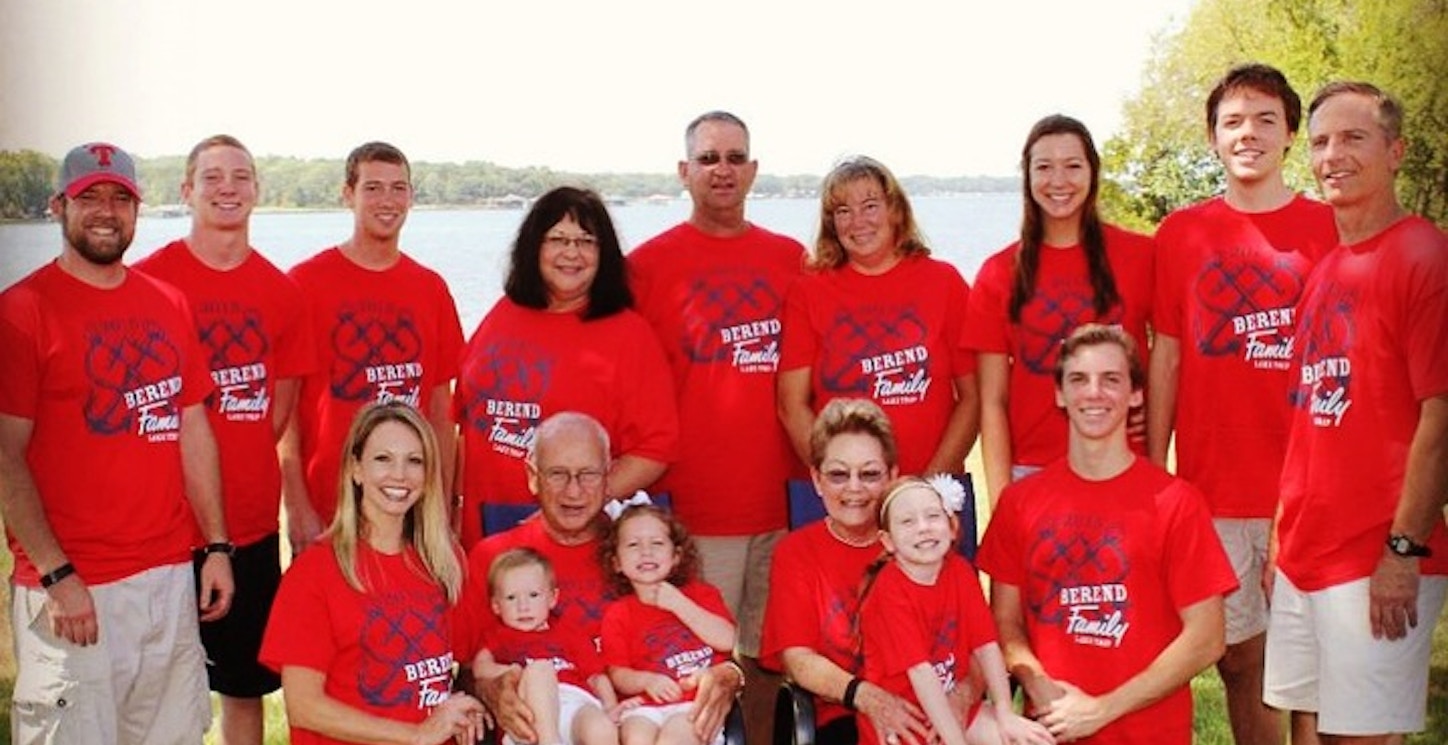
(1404,546)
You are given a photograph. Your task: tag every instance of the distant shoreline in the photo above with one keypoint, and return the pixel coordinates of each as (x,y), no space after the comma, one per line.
(180,211)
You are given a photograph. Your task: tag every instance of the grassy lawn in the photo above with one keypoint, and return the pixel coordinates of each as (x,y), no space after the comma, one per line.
(1211,718)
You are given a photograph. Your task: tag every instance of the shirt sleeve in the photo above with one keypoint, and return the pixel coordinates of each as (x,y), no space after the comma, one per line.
(449,335)
(614,637)
(980,624)
(20,385)
(957,309)
(1196,565)
(799,345)
(1001,554)
(298,633)
(296,347)
(987,327)
(790,616)
(650,418)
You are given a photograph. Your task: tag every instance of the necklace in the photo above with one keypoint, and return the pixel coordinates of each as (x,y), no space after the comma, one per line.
(848,541)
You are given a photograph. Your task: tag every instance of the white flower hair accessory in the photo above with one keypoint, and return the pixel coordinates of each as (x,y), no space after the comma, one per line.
(615,507)
(950,491)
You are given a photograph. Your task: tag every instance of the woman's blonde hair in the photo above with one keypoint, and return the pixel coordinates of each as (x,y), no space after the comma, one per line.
(828,253)
(842,416)
(425,527)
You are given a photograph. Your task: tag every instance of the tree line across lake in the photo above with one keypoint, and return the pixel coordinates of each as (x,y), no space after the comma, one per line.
(27,180)
(1157,162)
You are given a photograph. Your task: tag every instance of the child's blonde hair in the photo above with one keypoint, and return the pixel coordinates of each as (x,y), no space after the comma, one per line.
(517,558)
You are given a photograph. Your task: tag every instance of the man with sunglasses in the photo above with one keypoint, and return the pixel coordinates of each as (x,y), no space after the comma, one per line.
(713,288)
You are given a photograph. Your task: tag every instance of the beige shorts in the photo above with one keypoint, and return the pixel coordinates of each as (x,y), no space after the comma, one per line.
(1245,541)
(1322,657)
(144,682)
(739,567)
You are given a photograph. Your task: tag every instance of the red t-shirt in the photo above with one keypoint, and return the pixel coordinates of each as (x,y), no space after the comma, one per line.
(381,336)
(1062,302)
(1104,569)
(523,365)
(814,593)
(103,374)
(904,624)
(387,651)
(1227,287)
(583,589)
(1372,343)
(252,325)
(716,305)
(895,338)
(648,638)
(575,656)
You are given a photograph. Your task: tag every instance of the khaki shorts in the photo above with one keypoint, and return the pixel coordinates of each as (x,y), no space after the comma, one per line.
(1322,657)
(144,682)
(1245,541)
(739,567)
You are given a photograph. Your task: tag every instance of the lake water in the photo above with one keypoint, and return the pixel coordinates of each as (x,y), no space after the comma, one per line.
(470,247)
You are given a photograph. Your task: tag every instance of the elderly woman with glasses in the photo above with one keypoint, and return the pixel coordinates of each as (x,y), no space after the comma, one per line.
(809,624)
(563,338)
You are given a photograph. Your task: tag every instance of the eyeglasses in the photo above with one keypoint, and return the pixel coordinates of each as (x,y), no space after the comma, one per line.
(558,478)
(581,242)
(712,158)
(841,476)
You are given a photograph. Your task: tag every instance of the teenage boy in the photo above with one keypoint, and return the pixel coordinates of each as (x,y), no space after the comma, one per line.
(387,329)
(1230,271)
(1107,578)
(251,321)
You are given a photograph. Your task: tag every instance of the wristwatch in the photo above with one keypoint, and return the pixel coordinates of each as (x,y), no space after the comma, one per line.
(1404,546)
(219,547)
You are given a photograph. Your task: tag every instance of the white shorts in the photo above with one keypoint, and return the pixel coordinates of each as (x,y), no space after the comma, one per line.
(571,700)
(144,681)
(1322,657)
(1245,541)
(1021,470)
(739,567)
(658,713)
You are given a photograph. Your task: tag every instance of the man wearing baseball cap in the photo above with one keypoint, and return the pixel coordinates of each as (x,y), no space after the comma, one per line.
(103,363)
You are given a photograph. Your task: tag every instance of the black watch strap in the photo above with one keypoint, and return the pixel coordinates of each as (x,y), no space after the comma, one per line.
(59,573)
(1406,547)
(220,547)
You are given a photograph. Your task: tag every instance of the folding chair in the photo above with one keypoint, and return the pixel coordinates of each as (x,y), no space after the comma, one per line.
(794,708)
(500,517)
(806,507)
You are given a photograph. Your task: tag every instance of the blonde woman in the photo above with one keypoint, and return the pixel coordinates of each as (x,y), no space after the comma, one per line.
(361,631)
(878,318)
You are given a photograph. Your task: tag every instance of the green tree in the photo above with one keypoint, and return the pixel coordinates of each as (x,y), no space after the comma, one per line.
(27,181)
(1160,161)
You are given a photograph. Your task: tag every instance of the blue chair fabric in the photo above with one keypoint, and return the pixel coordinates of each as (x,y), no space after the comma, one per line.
(805,507)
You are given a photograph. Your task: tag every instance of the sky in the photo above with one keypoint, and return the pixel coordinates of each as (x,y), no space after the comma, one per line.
(940,87)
